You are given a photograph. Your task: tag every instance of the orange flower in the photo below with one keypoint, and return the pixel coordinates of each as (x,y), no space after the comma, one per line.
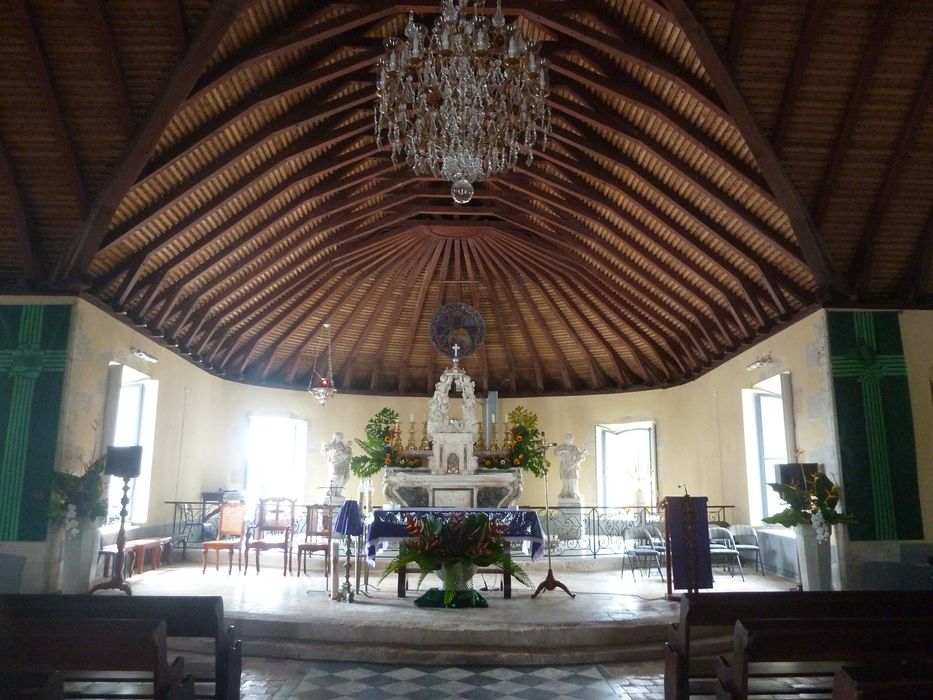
(518,438)
(516,461)
(388,460)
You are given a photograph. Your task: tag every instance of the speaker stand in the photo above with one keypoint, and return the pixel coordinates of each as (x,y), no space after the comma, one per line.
(117,581)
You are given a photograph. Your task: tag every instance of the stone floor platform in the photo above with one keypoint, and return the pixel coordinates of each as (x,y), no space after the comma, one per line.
(292,617)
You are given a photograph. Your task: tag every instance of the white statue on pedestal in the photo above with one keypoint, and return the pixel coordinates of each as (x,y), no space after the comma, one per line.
(570,458)
(338,454)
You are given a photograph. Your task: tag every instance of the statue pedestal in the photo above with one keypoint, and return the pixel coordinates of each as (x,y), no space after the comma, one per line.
(570,522)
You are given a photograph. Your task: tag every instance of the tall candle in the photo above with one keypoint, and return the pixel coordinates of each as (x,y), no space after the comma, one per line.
(411,417)
(493,417)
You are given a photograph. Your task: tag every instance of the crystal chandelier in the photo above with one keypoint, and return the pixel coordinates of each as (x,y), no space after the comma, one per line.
(465,101)
(322,386)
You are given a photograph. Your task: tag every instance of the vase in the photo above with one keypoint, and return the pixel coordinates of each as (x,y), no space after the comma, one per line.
(79,559)
(814,560)
(457,575)
(457,592)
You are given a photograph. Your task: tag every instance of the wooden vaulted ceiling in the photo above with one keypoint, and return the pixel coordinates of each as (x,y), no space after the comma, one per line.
(208,171)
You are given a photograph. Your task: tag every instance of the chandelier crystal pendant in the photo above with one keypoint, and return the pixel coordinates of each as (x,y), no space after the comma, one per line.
(322,386)
(465,101)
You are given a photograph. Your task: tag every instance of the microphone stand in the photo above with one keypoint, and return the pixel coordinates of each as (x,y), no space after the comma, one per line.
(549,583)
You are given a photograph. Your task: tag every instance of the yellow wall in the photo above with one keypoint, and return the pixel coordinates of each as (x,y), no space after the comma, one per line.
(201,419)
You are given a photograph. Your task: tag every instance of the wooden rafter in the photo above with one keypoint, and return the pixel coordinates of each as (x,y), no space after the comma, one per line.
(829,281)
(34,263)
(94,228)
(103,38)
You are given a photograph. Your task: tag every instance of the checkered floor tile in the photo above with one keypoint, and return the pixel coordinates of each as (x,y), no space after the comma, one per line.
(323,680)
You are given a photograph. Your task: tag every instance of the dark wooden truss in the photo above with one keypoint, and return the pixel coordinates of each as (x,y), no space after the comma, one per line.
(717,168)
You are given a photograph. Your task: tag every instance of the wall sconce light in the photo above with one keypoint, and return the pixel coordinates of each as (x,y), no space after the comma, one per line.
(143,355)
(759,363)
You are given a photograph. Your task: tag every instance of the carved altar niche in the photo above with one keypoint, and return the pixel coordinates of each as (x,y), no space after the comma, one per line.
(453,438)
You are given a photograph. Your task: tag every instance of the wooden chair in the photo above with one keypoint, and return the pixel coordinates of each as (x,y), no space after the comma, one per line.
(317,537)
(273,529)
(230,528)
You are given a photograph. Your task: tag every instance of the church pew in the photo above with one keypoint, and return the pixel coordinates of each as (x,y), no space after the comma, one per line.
(718,612)
(184,616)
(775,646)
(133,652)
(880,681)
(31,685)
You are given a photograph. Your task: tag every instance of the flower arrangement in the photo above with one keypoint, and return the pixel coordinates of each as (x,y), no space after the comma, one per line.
(378,452)
(469,538)
(78,499)
(526,452)
(813,503)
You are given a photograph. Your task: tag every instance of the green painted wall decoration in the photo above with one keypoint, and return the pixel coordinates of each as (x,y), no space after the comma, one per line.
(875,425)
(33,343)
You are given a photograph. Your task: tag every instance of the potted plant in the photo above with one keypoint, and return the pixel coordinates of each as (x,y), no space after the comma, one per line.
(378,452)
(454,549)
(524,445)
(811,508)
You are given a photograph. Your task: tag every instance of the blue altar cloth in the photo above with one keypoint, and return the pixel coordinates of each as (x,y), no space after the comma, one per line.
(521,526)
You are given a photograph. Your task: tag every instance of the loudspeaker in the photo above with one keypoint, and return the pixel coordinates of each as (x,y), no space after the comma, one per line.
(124,462)
(799,473)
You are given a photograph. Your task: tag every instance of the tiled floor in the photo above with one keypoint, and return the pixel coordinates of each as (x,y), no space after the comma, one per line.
(280,678)
(261,603)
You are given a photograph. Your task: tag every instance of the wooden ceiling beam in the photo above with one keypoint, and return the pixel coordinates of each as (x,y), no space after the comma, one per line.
(860,271)
(230,276)
(266,204)
(175,21)
(319,107)
(89,236)
(660,267)
(417,309)
(473,291)
(631,48)
(103,39)
(580,191)
(568,280)
(42,70)
(335,242)
(34,261)
(916,277)
(829,282)
(859,88)
(387,259)
(738,22)
(592,121)
(635,279)
(501,326)
(521,321)
(601,285)
(509,250)
(626,89)
(812,24)
(736,245)
(299,304)
(271,309)
(294,38)
(330,185)
(594,197)
(405,289)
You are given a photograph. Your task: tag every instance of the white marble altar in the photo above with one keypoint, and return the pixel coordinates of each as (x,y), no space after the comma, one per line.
(453,478)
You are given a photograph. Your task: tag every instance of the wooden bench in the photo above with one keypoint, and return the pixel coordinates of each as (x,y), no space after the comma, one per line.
(881,681)
(135,554)
(78,646)
(506,580)
(774,646)
(184,616)
(31,685)
(718,613)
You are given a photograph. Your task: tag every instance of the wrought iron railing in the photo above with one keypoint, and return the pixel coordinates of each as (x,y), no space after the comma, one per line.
(574,532)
